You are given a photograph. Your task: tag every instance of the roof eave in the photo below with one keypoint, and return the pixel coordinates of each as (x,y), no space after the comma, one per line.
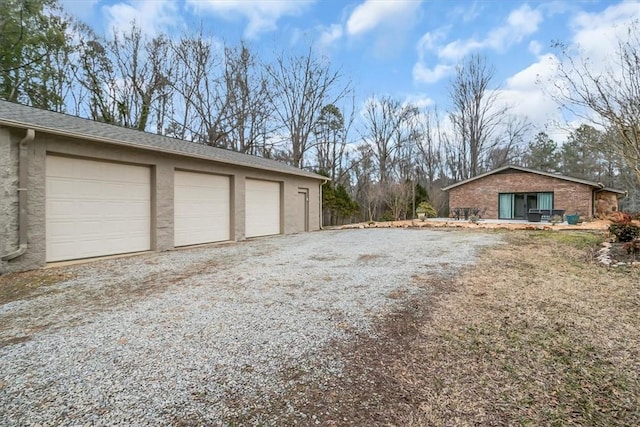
(623,193)
(526,170)
(53,131)
(482,175)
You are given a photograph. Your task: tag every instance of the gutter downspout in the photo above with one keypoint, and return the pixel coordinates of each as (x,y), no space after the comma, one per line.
(321,213)
(22,197)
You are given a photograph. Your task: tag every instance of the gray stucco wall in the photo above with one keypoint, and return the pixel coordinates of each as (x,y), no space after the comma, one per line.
(162,191)
(8,195)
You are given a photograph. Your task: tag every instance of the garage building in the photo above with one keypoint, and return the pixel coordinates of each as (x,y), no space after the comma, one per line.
(73,188)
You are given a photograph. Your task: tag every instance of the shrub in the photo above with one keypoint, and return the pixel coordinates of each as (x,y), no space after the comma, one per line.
(428,210)
(624,232)
(387,216)
(632,247)
(474,218)
(555,219)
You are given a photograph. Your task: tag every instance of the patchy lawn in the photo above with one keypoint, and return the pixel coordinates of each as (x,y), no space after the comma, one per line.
(30,284)
(535,334)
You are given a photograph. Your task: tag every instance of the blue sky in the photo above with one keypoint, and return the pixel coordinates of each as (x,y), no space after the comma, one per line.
(405,49)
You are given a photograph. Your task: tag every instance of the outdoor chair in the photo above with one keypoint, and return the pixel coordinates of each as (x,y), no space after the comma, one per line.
(534,215)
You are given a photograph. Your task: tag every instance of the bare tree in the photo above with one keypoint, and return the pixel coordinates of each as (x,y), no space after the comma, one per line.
(476,115)
(302,85)
(429,145)
(246,112)
(96,75)
(612,93)
(141,67)
(387,126)
(125,77)
(367,191)
(510,146)
(199,101)
(331,133)
(397,198)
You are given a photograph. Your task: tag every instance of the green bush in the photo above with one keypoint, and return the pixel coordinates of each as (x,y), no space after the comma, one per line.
(428,210)
(624,232)
(387,216)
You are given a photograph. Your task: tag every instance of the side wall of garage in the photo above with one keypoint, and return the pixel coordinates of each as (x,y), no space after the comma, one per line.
(162,166)
(8,194)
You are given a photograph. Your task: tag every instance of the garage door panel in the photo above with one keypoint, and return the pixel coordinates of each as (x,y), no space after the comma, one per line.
(262,213)
(202,208)
(96,208)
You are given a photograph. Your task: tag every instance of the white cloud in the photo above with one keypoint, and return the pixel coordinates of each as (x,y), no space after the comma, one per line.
(535,47)
(330,34)
(373,13)
(529,92)
(151,16)
(421,71)
(596,35)
(430,41)
(467,12)
(419,100)
(458,49)
(520,23)
(541,71)
(262,15)
(423,74)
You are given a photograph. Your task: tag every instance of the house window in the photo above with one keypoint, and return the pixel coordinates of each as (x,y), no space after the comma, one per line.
(516,205)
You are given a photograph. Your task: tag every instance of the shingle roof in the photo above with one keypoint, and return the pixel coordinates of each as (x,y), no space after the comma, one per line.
(16,115)
(593,184)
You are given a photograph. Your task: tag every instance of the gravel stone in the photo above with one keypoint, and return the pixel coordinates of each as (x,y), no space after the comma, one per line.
(182,336)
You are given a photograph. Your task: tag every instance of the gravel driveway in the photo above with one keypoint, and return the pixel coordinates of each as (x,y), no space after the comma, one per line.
(202,335)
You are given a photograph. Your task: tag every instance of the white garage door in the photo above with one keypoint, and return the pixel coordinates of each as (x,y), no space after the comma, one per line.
(96,208)
(262,208)
(202,208)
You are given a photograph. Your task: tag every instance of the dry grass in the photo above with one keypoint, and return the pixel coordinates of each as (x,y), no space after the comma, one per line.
(535,334)
(369,258)
(17,286)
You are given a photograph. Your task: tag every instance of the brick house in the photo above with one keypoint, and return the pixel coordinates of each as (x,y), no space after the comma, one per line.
(510,192)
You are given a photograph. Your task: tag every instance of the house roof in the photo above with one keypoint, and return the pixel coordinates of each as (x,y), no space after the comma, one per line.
(20,116)
(593,184)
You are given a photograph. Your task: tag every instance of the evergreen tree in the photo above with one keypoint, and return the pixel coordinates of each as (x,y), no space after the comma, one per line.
(580,156)
(337,203)
(542,154)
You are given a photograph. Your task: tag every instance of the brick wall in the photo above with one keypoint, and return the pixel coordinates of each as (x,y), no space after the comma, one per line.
(573,197)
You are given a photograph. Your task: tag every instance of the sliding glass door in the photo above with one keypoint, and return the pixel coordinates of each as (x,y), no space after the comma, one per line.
(545,201)
(517,205)
(505,206)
